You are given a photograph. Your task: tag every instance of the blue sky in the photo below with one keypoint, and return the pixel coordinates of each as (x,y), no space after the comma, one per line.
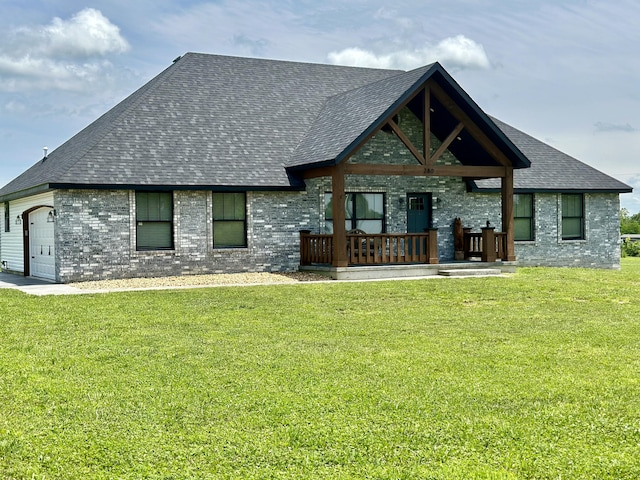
(564,71)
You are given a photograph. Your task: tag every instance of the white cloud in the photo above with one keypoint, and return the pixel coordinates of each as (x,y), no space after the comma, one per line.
(613,127)
(66,54)
(15,107)
(457,52)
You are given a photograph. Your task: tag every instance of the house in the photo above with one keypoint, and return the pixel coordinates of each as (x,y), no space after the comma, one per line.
(224,164)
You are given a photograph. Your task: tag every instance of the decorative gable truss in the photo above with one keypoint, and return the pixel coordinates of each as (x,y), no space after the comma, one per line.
(424,102)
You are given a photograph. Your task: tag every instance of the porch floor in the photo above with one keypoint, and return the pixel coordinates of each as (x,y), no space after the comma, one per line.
(374,272)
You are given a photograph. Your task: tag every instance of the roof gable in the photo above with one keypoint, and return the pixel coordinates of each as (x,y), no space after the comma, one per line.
(349,119)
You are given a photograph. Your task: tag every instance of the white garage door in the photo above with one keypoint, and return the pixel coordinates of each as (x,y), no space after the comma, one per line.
(41,245)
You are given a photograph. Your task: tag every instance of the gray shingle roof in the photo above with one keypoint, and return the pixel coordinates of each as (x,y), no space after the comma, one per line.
(551,170)
(206,120)
(347,115)
(229,122)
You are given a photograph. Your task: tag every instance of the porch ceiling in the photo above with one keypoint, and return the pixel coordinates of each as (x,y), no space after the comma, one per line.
(465,147)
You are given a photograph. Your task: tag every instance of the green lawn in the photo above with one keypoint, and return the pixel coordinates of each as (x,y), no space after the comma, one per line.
(532,376)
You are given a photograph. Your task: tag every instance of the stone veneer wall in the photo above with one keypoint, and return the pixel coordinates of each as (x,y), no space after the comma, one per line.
(599,249)
(95,230)
(95,235)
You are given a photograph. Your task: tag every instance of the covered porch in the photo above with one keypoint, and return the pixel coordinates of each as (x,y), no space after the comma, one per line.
(446,135)
(447,124)
(362,249)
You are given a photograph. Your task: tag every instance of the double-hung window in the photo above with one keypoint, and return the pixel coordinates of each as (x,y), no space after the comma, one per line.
(229,220)
(573,216)
(363,211)
(523,217)
(154,220)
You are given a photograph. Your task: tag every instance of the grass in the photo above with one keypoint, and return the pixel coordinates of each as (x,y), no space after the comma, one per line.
(532,376)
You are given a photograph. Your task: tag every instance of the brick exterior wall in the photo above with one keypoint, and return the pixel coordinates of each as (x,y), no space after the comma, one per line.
(96,229)
(95,235)
(599,249)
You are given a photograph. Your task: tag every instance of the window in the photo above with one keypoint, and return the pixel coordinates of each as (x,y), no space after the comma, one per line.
(523,217)
(572,216)
(229,220)
(364,211)
(7,217)
(154,220)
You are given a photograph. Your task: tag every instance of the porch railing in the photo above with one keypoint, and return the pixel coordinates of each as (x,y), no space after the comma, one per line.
(372,249)
(315,248)
(474,245)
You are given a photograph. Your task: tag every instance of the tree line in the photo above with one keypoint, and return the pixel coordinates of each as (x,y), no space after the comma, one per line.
(630,224)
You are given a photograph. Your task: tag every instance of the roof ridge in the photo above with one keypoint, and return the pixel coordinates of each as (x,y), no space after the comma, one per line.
(294,62)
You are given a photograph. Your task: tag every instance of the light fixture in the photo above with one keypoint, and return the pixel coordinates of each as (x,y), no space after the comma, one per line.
(18,219)
(52,216)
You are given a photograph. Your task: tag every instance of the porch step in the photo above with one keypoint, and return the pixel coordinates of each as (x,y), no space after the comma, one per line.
(470,272)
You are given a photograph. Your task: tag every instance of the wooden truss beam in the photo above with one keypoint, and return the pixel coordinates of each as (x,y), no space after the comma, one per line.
(427,126)
(471,127)
(466,171)
(447,141)
(407,143)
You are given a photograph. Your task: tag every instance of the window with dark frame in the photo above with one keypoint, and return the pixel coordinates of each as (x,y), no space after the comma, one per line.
(573,216)
(229,219)
(154,221)
(523,217)
(363,211)
(7,217)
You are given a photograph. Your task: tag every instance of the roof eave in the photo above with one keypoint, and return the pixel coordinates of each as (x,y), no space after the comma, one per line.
(27,192)
(473,187)
(294,186)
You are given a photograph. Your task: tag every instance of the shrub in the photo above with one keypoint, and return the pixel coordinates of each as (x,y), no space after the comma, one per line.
(630,249)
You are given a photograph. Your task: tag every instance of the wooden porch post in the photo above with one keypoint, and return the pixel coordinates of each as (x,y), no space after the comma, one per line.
(339,231)
(507,214)
(488,244)
(432,250)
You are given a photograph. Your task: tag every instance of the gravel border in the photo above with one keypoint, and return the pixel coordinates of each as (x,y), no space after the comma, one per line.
(261,278)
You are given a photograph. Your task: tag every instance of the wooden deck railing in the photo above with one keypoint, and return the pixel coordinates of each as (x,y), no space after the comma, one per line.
(372,249)
(315,248)
(474,245)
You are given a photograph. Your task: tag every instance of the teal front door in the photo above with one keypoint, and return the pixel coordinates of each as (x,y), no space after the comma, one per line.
(418,220)
(418,212)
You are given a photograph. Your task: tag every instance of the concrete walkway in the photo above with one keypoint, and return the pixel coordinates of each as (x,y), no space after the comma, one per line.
(36,286)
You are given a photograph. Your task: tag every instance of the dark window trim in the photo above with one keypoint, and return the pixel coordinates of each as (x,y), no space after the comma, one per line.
(581,216)
(355,219)
(7,217)
(531,218)
(170,222)
(224,220)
